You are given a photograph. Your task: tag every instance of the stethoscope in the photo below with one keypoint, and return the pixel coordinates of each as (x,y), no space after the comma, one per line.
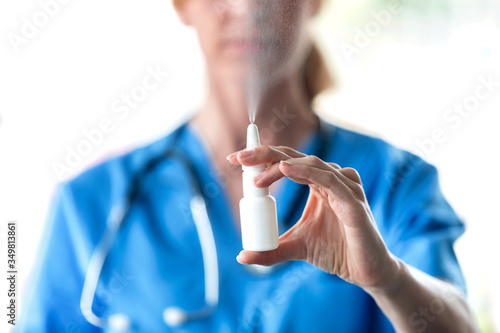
(172,316)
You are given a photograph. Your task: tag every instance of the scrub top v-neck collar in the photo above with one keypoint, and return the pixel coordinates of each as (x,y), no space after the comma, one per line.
(285,195)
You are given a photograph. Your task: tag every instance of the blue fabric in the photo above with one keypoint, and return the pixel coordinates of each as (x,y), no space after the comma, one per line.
(156,261)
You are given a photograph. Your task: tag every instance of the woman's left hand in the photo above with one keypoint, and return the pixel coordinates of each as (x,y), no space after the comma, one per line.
(337,232)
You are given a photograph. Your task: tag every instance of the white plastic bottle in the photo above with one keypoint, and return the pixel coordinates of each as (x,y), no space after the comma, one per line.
(259,222)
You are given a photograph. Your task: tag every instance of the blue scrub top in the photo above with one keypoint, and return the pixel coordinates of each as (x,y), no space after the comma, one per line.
(156,260)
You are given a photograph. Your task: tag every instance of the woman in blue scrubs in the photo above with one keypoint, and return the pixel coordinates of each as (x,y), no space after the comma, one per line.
(367,236)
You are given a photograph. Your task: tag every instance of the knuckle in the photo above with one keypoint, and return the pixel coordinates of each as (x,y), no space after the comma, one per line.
(335,165)
(358,190)
(283,148)
(313,159)
(352,174)
(290,151)
(275,152)
(266,150)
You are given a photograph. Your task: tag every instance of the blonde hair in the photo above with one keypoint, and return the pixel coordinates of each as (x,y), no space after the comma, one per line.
(317,77)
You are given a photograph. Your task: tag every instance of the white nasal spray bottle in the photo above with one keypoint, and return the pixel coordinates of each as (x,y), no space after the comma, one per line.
(259,222)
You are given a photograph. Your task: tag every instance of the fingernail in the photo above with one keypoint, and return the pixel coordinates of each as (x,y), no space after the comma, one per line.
(238,259)
(247,153)
(258,177)
(286,163)
(230,156)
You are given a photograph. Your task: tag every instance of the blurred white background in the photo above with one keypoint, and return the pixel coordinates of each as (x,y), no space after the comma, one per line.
(397,82)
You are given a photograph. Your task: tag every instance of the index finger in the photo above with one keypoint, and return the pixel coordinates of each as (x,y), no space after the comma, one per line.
(263,155)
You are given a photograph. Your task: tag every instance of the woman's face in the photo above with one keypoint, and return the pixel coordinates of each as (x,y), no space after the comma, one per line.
(238,37)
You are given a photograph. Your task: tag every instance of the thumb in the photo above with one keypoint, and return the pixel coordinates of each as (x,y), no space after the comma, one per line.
(289,248)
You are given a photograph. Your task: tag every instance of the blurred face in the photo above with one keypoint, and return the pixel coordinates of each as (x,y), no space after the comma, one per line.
(239,38)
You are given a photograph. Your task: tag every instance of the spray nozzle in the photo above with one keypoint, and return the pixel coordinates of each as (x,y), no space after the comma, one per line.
(253,139)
